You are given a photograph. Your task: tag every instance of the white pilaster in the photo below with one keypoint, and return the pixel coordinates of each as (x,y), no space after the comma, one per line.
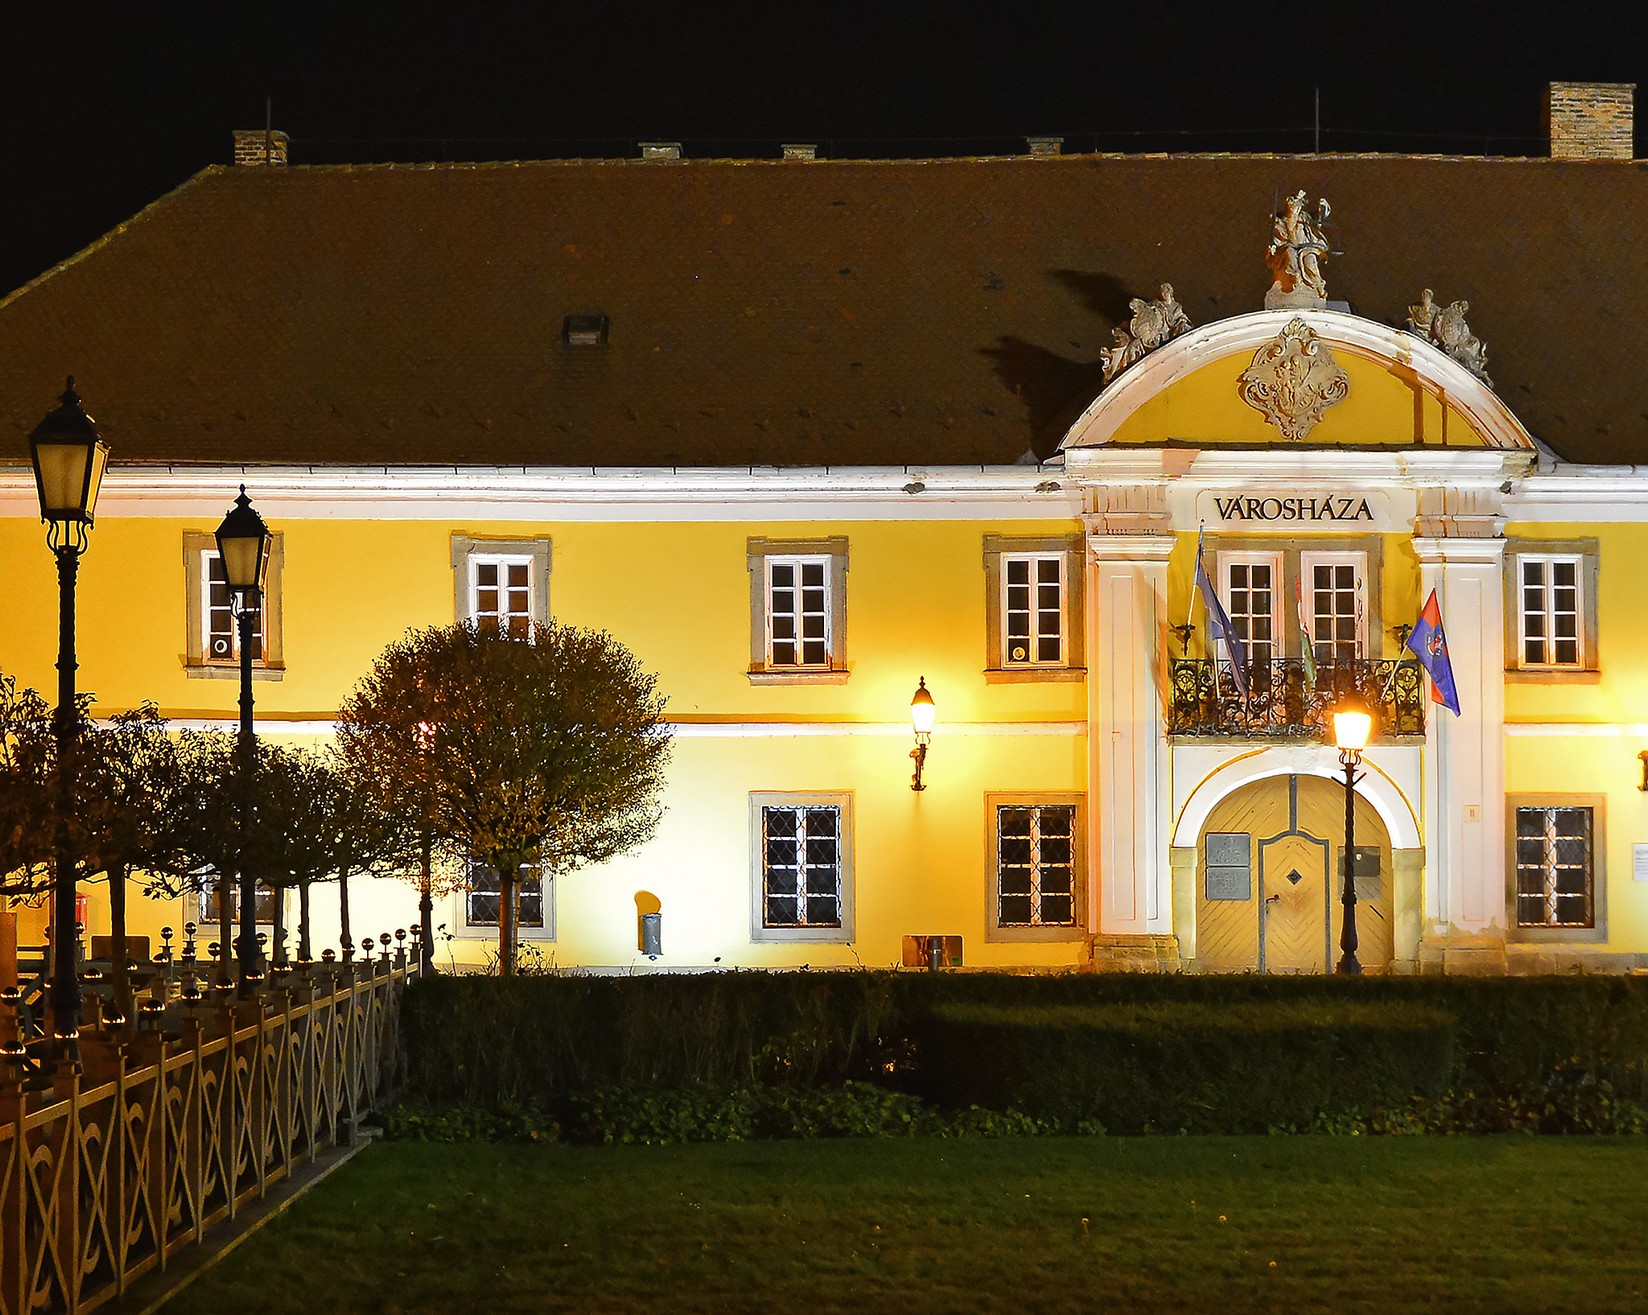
(1130,886)
(1464,755)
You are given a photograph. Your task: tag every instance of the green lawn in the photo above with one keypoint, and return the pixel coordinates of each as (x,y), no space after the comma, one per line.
(1221,1225)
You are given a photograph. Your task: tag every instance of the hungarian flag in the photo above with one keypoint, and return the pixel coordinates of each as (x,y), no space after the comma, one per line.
(1218,623)
(1307,646)
(1429,643)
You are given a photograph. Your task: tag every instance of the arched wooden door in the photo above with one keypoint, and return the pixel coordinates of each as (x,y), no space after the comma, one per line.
(1269,877)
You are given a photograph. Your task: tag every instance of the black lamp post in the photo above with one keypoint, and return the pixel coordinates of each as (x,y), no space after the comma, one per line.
(1352,724)
(69,460)
(242,543)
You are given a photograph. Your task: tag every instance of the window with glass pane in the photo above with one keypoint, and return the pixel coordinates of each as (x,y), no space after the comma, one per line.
(1336,611)
(1550,611)
(501,592)
(1035,874)
(1553,867)
(1252,607)
(484,898)
(222,637)
(798,612)
(1034,607)
(801,866)
(265,914)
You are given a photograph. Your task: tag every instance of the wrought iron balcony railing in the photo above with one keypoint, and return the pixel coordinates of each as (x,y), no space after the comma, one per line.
(1281,703)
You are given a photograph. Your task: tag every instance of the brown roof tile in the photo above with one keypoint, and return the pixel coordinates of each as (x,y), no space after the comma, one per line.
(791,313)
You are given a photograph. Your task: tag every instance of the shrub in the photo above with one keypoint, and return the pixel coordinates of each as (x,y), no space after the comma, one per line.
(1186,1066)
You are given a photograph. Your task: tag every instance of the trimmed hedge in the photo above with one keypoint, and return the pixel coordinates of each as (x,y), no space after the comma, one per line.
(1188,1066)
(1160,1051)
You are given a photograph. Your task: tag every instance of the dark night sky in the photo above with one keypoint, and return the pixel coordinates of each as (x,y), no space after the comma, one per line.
(105,106)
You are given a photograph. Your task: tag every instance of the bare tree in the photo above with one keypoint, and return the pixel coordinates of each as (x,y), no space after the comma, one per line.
(542,751)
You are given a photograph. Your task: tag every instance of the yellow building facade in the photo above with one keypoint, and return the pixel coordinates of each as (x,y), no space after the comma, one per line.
(1104,788)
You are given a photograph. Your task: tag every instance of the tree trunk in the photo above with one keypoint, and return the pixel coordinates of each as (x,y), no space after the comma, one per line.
(343,915)
(426,907)
(509,916)
(225,928)
(303,922)
(277,931)
(121,979)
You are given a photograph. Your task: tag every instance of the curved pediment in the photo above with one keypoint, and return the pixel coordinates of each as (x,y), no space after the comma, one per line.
(1298,378)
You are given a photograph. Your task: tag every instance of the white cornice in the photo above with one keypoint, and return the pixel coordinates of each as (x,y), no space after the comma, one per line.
(581,494)
(1432,369)
(1279,466)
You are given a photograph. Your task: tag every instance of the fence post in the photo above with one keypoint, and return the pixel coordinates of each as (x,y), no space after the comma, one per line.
(14,1283)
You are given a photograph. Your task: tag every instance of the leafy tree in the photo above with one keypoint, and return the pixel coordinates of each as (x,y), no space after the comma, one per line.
(26,809)
(207,826)
(544,750)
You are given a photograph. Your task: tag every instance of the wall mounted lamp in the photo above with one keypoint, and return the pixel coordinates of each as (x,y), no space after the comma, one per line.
(1643,756)
(922,713)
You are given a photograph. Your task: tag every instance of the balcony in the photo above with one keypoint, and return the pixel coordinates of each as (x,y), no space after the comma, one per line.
(1281,704)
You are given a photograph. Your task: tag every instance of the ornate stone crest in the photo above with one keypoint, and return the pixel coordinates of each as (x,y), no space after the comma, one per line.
(1446,327)
(1295,255)
(1294,379)
(1153,323)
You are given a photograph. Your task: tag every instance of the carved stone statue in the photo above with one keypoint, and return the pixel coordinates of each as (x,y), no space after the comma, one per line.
(1446,327)
(1293,379)
(1152,324)
(1295,255)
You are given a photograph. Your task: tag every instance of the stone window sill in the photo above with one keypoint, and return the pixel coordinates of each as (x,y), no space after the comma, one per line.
(801,677)
(204,671)
(1552,676)
(1034,675)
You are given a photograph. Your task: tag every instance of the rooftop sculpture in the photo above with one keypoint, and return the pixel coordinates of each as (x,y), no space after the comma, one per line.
(1445,326)
(1152,324)
(1297,249)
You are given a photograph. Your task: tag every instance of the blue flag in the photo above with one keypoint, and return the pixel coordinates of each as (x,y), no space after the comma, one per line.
(1429,643)
(1218,623)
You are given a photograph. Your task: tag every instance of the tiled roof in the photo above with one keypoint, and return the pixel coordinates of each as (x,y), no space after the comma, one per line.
(789,313)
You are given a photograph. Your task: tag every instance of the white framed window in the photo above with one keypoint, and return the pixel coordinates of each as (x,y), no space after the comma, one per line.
(1035,866)
(1333,586)
(1252,589)
(503,582)
(1549,610)
(801,867)
(213,640)
(500,591)
(1033,608)
(798,613)
(479,904)
(205,910)
(1555,884)
(798,610)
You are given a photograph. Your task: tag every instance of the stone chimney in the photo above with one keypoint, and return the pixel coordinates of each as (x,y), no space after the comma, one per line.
(1046,145)
(255,146)
(1590,120)
(800,151)
(660,150)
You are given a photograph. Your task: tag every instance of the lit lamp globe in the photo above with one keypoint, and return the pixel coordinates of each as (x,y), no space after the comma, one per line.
(922,711)
(242,543)
(1352,724)
(69,460)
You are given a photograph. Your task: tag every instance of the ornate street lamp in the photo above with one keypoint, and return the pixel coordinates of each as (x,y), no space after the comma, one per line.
(69,460)
(1352,724)
(243,544)
(922,713)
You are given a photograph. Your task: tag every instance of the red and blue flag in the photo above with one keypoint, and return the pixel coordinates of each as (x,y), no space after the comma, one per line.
(1429,643)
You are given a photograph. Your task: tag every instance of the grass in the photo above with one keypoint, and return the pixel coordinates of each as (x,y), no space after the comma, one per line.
(1222,1225)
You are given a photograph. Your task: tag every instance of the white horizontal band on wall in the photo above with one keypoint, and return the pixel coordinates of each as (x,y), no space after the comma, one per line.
(1581,729)
(702,730)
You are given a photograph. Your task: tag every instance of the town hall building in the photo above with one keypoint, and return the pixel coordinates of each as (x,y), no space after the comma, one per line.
(1140,465)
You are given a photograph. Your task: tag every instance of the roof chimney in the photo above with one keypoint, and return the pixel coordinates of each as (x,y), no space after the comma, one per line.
(1590,120)
(800,151)
(1046,145)
(660,150)
(260,146)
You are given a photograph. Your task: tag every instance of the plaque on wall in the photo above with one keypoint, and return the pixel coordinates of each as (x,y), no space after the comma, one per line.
(1229,883)
(1229,865)
(1367,869)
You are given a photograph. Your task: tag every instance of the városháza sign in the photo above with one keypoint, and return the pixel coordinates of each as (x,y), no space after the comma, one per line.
(1292,507)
